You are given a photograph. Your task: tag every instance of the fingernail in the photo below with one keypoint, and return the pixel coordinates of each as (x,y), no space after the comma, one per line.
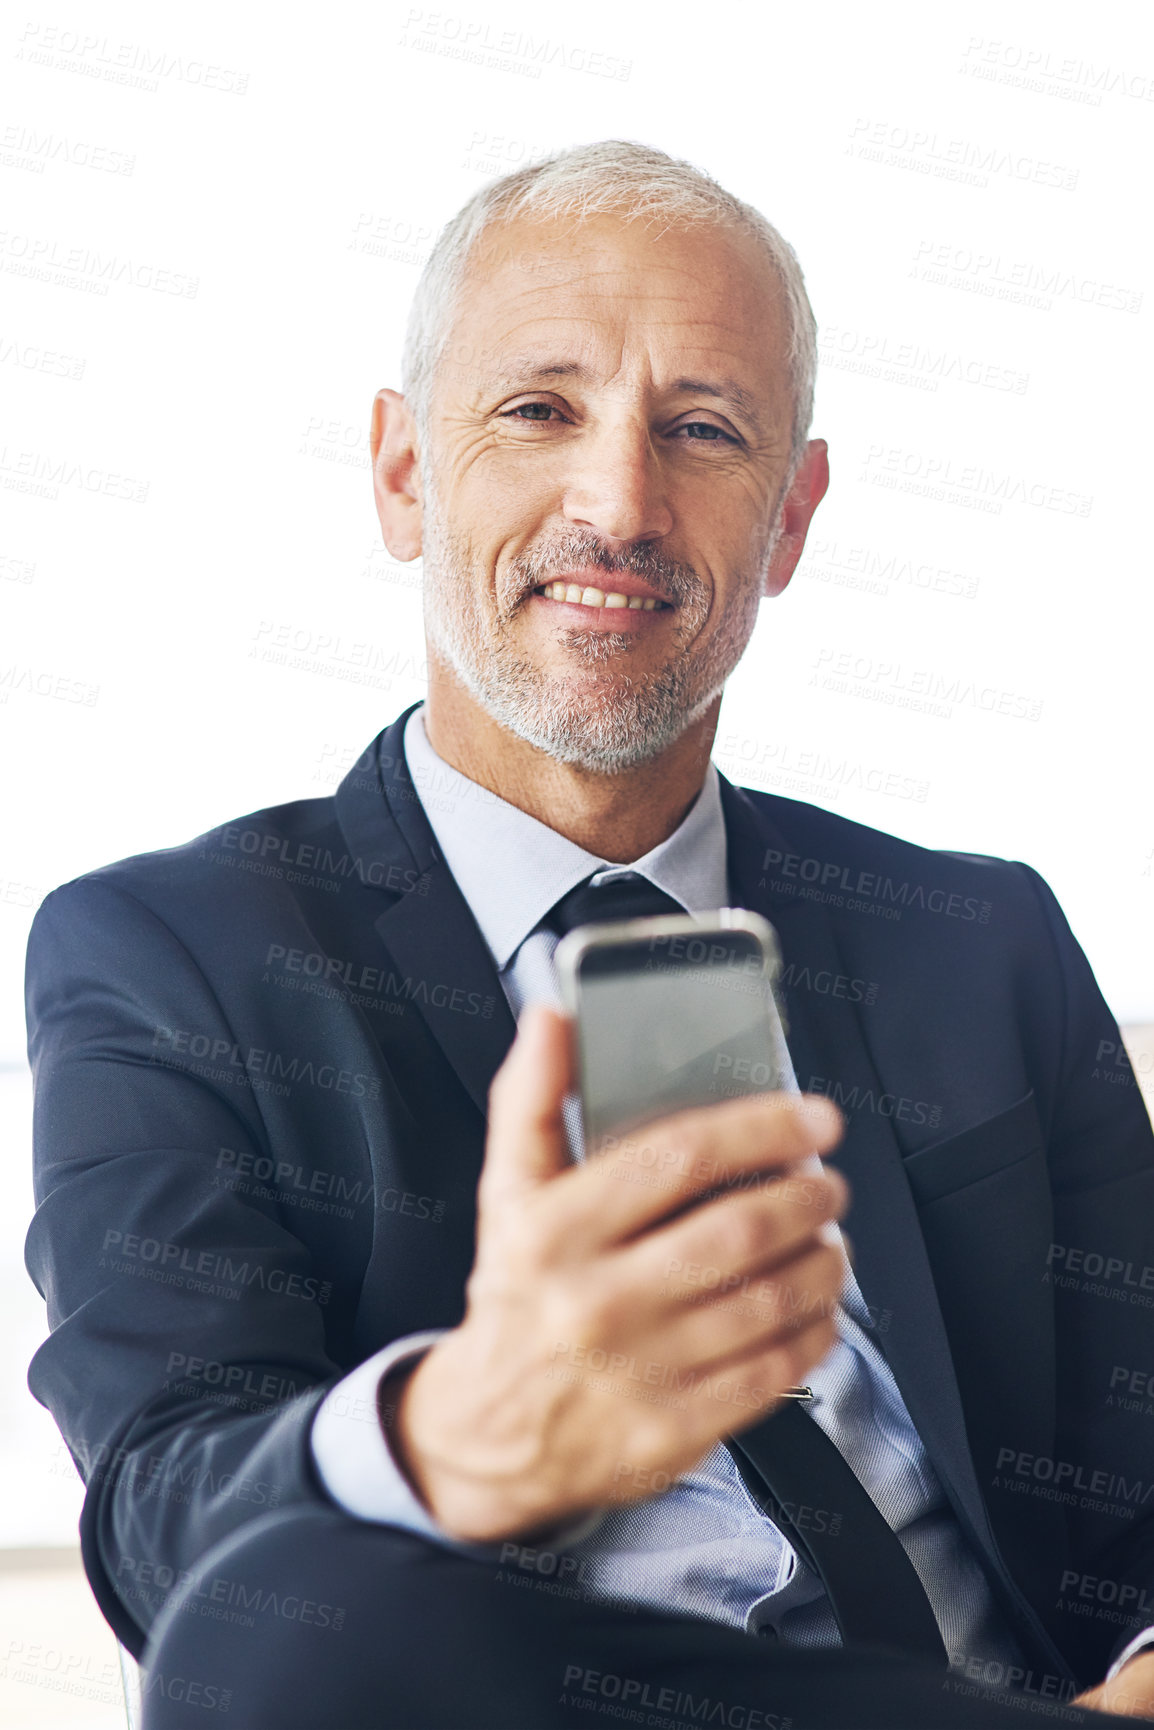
(821,1114)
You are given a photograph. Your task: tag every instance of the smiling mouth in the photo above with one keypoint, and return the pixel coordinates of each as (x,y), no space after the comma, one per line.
(601,599)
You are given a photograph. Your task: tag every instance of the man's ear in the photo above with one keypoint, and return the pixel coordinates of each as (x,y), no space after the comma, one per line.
(396,477)
(805,493)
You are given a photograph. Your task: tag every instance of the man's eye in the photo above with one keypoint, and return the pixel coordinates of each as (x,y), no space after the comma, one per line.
(532,411)
(705,430)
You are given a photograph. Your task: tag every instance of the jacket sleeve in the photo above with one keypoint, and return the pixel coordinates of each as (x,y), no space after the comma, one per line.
(188,1347)
(1101,1270)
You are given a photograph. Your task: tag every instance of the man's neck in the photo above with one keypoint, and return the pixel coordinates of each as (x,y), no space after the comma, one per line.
(618,817)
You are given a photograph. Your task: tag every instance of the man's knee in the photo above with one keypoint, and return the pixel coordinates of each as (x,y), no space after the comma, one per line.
(301,1607)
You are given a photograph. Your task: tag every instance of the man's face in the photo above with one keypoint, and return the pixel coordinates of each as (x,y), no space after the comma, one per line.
(609,445)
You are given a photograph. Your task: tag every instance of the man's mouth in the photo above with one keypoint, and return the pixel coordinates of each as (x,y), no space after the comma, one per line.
(613,600)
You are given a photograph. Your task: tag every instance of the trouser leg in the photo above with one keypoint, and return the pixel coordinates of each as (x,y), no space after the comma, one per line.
(308,1619)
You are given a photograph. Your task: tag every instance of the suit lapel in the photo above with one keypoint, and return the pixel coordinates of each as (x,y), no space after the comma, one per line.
(830,1055)
(424,922)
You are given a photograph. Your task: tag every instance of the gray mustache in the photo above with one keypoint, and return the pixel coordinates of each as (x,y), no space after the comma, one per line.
(674,581)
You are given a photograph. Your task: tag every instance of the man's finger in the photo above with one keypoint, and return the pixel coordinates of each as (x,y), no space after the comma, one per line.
(527,1145)
(738,1323)
(670,1164)
(692,1408)
(736,1243)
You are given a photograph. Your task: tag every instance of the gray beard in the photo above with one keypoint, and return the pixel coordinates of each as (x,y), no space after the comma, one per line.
(620,722)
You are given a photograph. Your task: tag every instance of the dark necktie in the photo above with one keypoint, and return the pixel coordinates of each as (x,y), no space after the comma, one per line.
(627,897)
(794,1472)
(817,1502)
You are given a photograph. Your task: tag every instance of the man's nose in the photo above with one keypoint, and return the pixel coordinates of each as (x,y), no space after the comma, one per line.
(617,486)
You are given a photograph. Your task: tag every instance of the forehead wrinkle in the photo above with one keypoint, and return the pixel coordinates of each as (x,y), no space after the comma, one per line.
(703,332)
(581,265)
(610,280)
(598,259)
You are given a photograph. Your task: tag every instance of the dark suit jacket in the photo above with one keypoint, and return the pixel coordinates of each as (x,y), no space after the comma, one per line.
(261,1067)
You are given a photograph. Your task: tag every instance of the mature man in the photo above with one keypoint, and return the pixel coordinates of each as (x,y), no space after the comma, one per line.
(366,1447)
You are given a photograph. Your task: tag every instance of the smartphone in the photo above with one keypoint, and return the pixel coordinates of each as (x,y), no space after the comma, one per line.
(671,1012)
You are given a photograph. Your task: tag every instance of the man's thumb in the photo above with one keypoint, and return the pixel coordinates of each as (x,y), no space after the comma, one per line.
(527,1144)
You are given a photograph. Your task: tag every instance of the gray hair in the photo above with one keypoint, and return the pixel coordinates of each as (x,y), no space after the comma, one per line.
(614,176)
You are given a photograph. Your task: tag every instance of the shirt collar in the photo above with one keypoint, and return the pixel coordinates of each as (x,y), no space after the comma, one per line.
(512,869)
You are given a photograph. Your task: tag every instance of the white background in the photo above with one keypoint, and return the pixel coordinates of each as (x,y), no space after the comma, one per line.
(211,224)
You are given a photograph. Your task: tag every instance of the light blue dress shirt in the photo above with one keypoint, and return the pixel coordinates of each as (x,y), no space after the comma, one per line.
(704,1546)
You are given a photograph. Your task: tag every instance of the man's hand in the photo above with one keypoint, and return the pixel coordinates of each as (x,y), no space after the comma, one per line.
(618,1324)
(1130,1694)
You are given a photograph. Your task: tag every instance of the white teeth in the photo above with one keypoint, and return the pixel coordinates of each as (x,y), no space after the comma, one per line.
(590,597)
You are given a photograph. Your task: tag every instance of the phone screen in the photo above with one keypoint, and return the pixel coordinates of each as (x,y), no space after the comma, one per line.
(665,1023)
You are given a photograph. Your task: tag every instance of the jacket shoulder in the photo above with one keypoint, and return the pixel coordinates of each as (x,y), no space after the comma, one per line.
(812,841)
(237,858)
